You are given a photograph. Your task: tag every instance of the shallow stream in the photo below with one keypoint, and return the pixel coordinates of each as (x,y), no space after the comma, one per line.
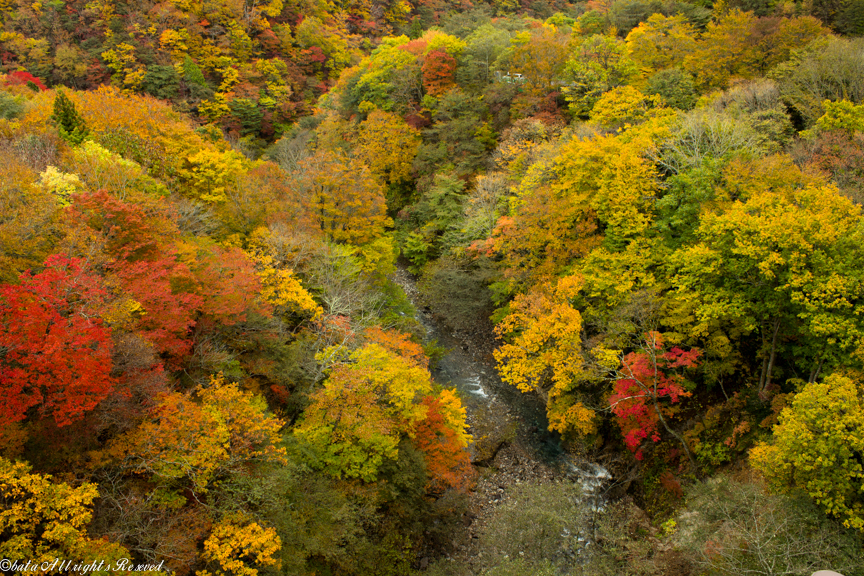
(501,416)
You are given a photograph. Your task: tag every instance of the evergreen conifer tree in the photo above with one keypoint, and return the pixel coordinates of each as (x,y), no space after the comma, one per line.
(70,125)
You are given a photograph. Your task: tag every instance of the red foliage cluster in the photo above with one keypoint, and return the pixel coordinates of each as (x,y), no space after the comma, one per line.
(416,47)
(56,350)
(173,291)
(839,155)
(146,270)
(635,398)
(671,484)
(438,70)
(23,78)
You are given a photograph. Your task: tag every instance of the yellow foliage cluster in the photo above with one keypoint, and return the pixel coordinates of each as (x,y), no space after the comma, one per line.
(60,184)
(817,446)
(343,198)
(128,72)
(388,146)
(188,439)
(41,520)
(29,218)
(235,543)
(454,414)
(576,418)
(102,169)
(201,168)
(366,406)
(208,173)
(279,286)
(614,179)
(542,351)
(122,311)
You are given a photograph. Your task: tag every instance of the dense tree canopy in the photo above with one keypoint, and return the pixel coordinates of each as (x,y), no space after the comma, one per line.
(206,357)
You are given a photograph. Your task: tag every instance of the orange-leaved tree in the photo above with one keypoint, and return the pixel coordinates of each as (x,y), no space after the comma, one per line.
(438,70)
(198,440)
(442,438)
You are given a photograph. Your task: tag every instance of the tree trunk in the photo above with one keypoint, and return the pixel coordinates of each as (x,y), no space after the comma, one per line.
(765,381)
(677,437)
(815,373)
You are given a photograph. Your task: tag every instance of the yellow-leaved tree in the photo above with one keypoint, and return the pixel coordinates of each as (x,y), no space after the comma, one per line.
(199,440)
(542,351)
(42,520)
(279,285)
(387,145)
(818,447)
(29,218)
(782,267)
(661,42)
(366,406)
(237,544)
(343,199)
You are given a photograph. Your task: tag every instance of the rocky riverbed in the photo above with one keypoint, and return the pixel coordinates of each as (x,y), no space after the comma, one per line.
(512,445)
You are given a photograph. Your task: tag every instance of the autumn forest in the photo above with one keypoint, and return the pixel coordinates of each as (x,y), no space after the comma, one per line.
(226,225)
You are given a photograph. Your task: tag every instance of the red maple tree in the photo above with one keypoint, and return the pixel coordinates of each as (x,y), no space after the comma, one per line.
(55,352)
(143,258)
(644,383)
(24,78)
